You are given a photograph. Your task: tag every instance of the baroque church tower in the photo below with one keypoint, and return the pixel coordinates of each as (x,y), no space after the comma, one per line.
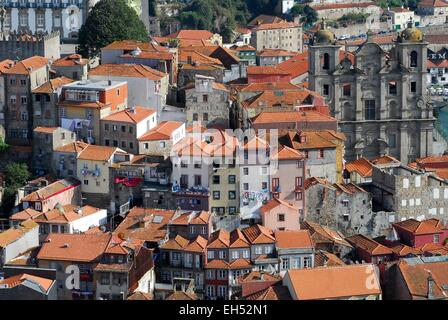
(379,98)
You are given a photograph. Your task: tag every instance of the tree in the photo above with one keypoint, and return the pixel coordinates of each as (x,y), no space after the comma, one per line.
(308,14)
(16,175)
(109,21)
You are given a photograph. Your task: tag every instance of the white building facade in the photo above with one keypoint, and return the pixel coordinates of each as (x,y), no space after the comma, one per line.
(65,16)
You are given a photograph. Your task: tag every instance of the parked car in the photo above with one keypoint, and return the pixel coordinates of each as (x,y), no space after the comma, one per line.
(344,37)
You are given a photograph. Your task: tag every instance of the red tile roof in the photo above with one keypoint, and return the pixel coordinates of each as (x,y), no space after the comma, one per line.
(97,153)
(52,189)
(44,284)
(258,234)
(334,282)
(52,85)
(219,239)
(416,278)
(191,35)
(199,217)
(163,131)
(74,247)
(70,60)
(276,53)
(274,203)
(429,226)
(371,246)
(362,166)
(293,239)
(274,26)
(127,70)
(265,70)
(145,224)
(292,116)
(433,3)
(134,115)
(27,66)
(286,153)
(13,234)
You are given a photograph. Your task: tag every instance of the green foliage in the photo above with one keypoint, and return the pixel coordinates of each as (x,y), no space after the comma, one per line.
(412,4)
(354,18)
(223,16)
(308,14)
(3,146)
(16,175)
(109,21)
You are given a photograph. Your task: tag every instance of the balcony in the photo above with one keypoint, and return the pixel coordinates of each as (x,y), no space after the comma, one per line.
(198,190)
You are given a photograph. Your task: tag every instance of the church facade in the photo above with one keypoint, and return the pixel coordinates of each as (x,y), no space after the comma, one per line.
(379,98)
(40,16)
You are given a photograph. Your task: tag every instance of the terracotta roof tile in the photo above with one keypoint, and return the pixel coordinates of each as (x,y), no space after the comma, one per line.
(43,283)
(286,153)
(75,147)
(163,131)
(9,236)
(52,85)
(45,129)
(70,60)
(271,293)
(145,224)
(127,70)
(265,70)
(334,282)
(97,153)
(369,245)
(134,115)
(293,239)
(429,226)
(416,278)
(274,203)
(191,34)
(219,239)
(362,166)
(74,247)
(276,53)
(52,189)
(27,66)
(257,234)
(327,259)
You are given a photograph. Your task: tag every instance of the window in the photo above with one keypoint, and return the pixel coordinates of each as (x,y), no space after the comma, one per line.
(205,116)
(405,183)
(86,182)
(216,179)
(245,186)
(436,193)
(195,117)
(106,127)
(299,182)
(369,110)
(222,255)
(197,165)
(222,291)
(162,144)
(285,264)
(211,254)
(347,90)
(197,180)
(235,255)
(23,19)
(210,274)
(246,171)
(281,217)
(123,144)
(321,153)
(418,181)
(216,195)
(414,59)
(299,196)
(232,179)
(210,289)
(232,195)
(205,98)
(264,185)
(38,206)
(258,250)
(392,88)
(299,164)
(326,90)
(307,262)
(326,62)
(40,19)
(123,128)
(264,170)
(246,254)
(436,238)
(413,87)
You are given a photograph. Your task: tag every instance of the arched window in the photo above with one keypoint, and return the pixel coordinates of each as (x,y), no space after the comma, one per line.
(414,59)
(326,64)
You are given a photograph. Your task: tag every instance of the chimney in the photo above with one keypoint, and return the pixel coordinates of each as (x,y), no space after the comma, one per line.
(430,287)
